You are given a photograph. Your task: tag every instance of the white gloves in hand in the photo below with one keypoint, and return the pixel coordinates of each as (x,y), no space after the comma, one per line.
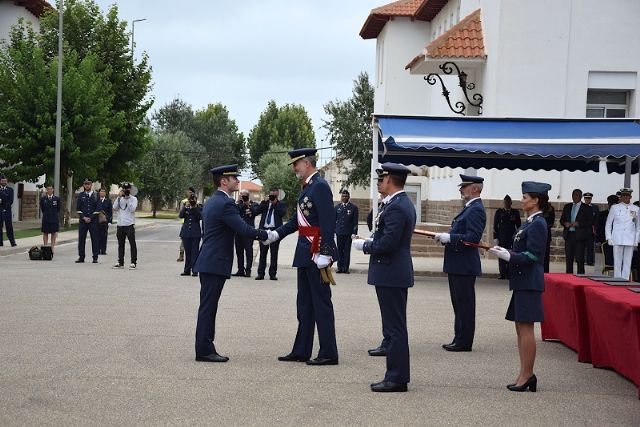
(358,244)
(501,253)
(610,242)
(323,261)
(443,238)
(495,242)
(272,236)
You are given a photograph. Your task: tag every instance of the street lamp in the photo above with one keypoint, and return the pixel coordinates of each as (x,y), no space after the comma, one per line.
(133,33)
(56,173)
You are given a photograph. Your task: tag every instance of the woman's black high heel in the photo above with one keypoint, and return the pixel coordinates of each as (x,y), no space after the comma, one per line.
(531,384)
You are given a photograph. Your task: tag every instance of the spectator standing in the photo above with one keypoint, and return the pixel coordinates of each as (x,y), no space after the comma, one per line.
(50,208)
(505,223)
(190,233)
(346,226)
(590,258)
(6,201)
(105,217)
(126,205)
(244,243)
(576,219)
(272,211)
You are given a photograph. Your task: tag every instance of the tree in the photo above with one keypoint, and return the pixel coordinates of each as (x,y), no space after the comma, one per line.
(277,173)
(177,116)
(164,169)
(349,130)
(288,126)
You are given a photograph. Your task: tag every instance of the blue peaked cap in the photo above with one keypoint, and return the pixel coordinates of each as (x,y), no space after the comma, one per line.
(535,187)
(226,170)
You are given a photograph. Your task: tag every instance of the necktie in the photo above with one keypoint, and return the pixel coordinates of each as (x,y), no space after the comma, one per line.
(269,214)
(574,213)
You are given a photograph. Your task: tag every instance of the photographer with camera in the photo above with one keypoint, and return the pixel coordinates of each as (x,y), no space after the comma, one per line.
(126,205)
(244,245)
(272,211)
(190,233)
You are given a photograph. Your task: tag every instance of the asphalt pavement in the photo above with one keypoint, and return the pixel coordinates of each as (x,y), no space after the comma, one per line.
(82,344)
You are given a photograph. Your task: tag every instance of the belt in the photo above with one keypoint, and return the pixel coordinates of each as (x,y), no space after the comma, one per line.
(313,232)
(269,228)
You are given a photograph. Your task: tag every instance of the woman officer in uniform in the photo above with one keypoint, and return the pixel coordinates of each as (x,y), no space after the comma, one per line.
(526,262)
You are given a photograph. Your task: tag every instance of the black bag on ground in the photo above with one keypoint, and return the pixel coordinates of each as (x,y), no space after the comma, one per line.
(35,253)
(47,253)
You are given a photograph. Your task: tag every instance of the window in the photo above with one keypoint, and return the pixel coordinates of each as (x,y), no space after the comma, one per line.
(607,103)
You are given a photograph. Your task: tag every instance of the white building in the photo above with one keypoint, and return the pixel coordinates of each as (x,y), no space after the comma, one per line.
(543,59)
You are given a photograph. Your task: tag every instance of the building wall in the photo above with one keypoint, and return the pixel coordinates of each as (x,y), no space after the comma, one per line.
(9,16)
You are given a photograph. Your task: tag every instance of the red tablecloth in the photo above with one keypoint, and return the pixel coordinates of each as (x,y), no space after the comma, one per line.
(565,313)
(614,330)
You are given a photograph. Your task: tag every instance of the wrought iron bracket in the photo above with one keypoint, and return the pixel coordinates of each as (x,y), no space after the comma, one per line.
(459,107)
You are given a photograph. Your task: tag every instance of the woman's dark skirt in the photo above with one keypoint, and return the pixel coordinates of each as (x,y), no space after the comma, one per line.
(525,307)
(49,227)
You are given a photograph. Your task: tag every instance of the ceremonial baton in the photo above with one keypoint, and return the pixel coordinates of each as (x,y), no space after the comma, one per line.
(477,245)
(425,233)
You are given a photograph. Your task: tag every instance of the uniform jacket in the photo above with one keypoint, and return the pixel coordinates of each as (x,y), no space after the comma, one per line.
(106,207)
(221,222)
(50,209)
(191,225)
(346,219)
(595,211)
(527,256)
(467,226)
(87,205)
(6,198)
(279,210)
(316,202)
(247,213)
(390,263)
(584,217)
(505,224)
(622,225)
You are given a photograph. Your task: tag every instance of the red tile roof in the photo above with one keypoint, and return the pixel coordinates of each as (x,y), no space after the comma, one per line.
(463,40)
(429,9)
(422,10)
(250,186)
(37,7)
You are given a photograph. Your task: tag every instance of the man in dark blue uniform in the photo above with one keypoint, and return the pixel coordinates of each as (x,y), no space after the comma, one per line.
(221,222)
(505,223)
(106,209)
(315,222)
(272,211)
(590,257)
(462,263)
(244,244)
(346,226)
(391,272)
(87,208)
(190,233)
(6,201)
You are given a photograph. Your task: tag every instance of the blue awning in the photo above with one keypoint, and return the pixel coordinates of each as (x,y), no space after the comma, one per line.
(538,144)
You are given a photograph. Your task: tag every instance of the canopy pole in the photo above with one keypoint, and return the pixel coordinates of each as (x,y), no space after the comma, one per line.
(627,171)
(374,175)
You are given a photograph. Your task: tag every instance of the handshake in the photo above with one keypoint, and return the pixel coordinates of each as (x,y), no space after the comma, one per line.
(321,261)
(272,237)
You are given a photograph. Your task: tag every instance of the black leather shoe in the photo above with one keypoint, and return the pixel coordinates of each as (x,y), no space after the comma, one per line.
(273,278)
(79,260)
(292,358)
(247,273)
(389,387)
(95,260)
(185,273)
(378,351)
(14,244)
(321,361)
(447,345)
(339,271)
(238,274)
(531,384)
(259,277)
(194,274)
(213,357)
(455,347)
(346,272)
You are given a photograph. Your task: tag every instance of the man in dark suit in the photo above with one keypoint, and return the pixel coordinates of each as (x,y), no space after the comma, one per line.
(6,201)
(391,272)
(221,222)
(577,219)
(272,211)
(244,244)
(104,207)
(462,263)
(505,223)
(315,223)
(87,208)
(346,226)
(590,258)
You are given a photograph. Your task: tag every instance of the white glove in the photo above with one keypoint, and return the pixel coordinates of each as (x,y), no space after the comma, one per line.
(353,237)
(495,242)
(323,261)
(501,253)
(443,238)
(358,244)
(610,242)
(272,236)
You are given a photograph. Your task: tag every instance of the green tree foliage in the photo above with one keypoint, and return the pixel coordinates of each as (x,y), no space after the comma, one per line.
(176,116)
(277,173)
(288,126)
(349,130)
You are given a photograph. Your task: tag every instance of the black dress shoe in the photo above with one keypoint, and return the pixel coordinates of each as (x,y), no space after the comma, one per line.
(79,260)
(14,244)
(273,278)
(185,273)
(447,345)
(379,351)
(346,271)
(292,358)
(339,271)
(247,273)
(321,361)
(259,277)
(238,274)
(95,260)
(531,384)
(389,387)
(194,274)
(213,357)
(455,347)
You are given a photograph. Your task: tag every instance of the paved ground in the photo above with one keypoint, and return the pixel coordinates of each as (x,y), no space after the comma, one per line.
(87,345)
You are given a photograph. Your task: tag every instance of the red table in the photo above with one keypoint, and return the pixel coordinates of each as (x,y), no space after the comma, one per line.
(614,329)
(565,312)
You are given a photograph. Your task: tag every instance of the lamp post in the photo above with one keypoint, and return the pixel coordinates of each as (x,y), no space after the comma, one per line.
(133,33)
(56,173)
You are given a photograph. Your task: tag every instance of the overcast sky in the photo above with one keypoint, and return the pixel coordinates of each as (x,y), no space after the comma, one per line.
(244,53)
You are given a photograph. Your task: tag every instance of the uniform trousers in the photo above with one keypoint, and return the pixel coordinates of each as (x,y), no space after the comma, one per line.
(314,307)
(5,218)
(463,299)
(273,265)
(244,246)
(622,256)
(127,232)
(344,251)
(103,234)
(191,252)
(590,257)
(83,228)
(210,289)
(574,249)
(393,309)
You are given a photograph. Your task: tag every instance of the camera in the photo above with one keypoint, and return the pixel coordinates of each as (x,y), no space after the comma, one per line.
(193,200)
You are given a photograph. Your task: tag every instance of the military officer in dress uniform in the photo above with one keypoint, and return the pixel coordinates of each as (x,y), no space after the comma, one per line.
(462,263)
(221,221)
(590,258)
(346,226)
(244,244)
(86,207)
(190,233)
(505,223)
(315,222)
(622,232)
(50,208)
(391,272)
(6,200)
